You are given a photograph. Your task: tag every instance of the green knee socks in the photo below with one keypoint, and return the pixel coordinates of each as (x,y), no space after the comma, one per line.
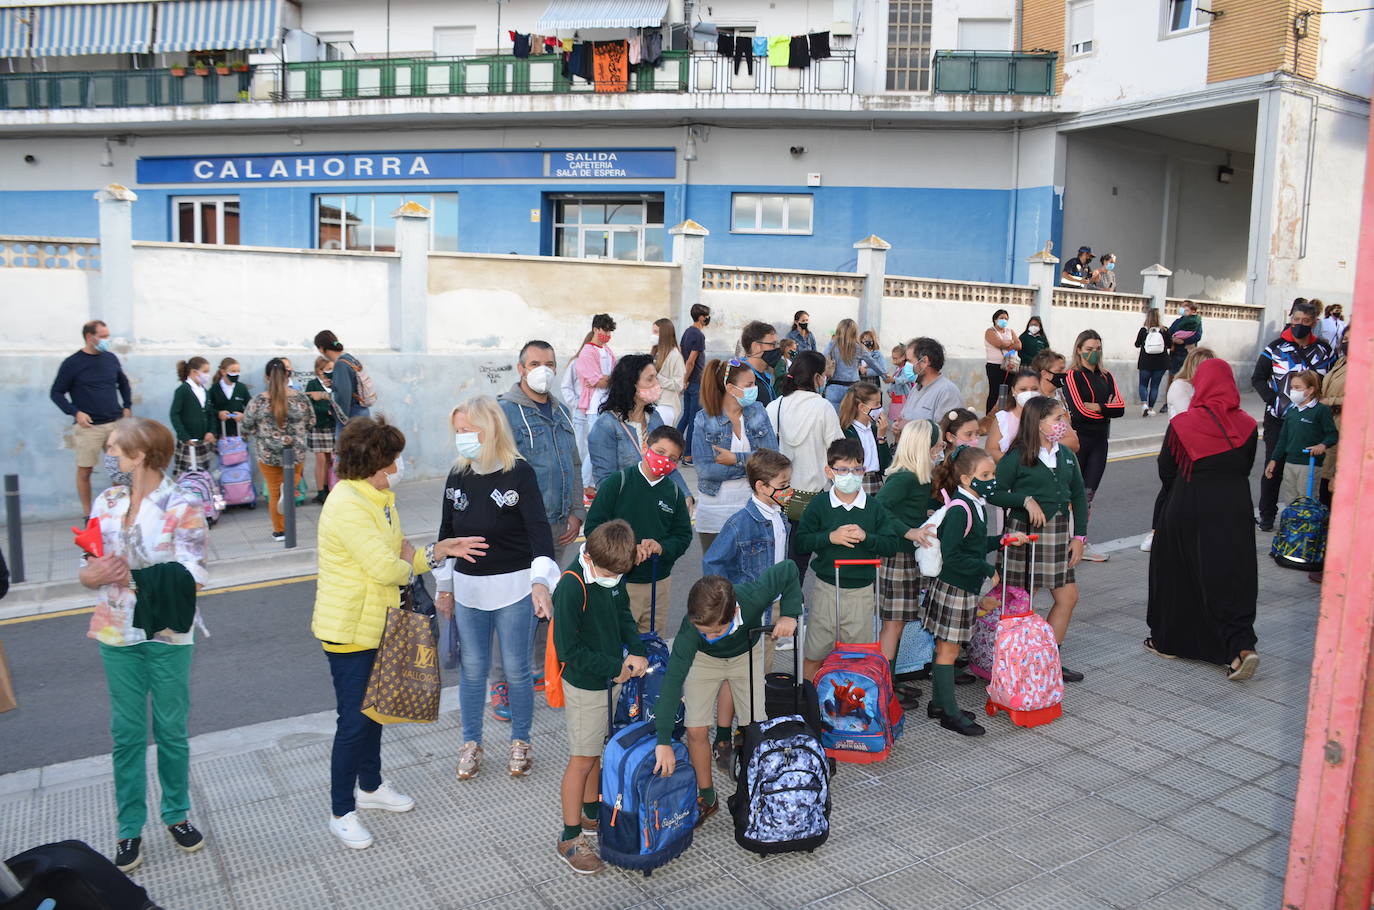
(943,694)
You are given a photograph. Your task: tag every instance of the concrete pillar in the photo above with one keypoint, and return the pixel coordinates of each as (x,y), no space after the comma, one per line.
(872,264)
(1042,272)
(410,311)
(689,255)
(116,306)
(1156,286)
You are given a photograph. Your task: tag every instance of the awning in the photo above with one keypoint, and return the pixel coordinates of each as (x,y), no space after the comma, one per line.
(101,28)
(221,25)
(565,15)
(14,32)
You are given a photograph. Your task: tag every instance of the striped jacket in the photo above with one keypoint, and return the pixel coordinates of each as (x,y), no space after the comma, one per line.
(1280,361)
(1086,386)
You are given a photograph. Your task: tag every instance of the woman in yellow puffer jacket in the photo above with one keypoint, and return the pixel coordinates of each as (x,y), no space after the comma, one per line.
(363,561)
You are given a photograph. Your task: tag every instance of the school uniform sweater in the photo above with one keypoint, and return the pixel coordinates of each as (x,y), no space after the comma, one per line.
(754,598)
(963,546)
(655,511)
(1055,491)
(191,419)
(1304,428)
(884,450)
(883,537)
(906,498)
(236,403)
(591,631)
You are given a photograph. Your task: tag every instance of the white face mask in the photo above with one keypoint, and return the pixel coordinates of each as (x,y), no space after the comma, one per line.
(606,581)
(1296,396)
(539,379)
(1034,330)
(469,445)
(1023,397)
(203,379)
(394,480)
(875,414)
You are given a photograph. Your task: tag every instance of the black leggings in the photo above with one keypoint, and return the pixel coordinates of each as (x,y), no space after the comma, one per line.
(996,377)
(1092,458)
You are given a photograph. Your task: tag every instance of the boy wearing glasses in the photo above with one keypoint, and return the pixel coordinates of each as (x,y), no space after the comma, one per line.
(844,524)
(657,512)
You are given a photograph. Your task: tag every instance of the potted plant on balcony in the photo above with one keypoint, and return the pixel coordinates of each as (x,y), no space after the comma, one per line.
(222,68)
(202,68)
(178,69)
(240,66)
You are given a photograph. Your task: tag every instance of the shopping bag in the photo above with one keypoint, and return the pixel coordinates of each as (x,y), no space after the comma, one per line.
(404,684)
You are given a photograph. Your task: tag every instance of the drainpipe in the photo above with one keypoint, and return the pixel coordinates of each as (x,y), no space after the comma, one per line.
(686,177)
(1013,209)
(1307,179)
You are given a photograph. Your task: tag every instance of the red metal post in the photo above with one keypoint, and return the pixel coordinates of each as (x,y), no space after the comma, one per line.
(1331,854)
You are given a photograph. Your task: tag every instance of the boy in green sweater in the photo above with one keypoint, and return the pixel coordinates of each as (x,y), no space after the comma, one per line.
(658,513)
(717,640)
(592,628)
(844,524)
(1309,428)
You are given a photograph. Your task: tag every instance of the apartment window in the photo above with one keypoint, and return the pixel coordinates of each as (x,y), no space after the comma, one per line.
(336,45)
(455,41)
(1183,15)
(908,45)
(364,222)
(610,226)
(751,213)
(984,34)
(1080,27)
(212,220)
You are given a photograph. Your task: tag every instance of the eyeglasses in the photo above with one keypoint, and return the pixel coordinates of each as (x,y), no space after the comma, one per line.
(674,460)
(842,472)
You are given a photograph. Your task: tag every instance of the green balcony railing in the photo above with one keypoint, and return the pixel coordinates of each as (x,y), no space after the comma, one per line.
(119,88)
(994,73)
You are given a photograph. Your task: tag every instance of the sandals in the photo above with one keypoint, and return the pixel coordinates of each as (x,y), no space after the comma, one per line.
(1150,646)
(1245,669)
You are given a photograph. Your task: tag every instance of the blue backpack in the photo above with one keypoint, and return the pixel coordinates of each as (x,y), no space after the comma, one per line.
(646,819)
(639,694)
(1300,542)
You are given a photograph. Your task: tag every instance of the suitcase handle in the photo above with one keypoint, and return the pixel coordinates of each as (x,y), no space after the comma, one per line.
(796,663)
(653,593)
(858,562)
(1311,473)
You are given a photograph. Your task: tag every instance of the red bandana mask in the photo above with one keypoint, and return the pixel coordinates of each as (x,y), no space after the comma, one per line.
(659,465)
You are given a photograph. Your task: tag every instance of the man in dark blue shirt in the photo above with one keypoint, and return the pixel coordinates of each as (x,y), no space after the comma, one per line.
(1078,270)
(92,389)
(693,346)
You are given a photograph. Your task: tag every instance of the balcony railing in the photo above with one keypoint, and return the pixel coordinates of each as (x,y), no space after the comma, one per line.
(119,88)
(724,75)
(994,73)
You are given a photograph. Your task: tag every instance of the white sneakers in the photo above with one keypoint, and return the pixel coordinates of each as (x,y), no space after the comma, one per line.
(349,828)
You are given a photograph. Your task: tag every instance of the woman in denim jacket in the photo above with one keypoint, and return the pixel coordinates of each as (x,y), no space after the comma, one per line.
(628,416)
(730,425)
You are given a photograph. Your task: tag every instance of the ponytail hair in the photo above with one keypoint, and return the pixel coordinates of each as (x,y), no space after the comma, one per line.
(328,341)
(964,460)
(277,390)
(713,379)
(954,420)
(224,366)
(802,376)
(853,400)
(186,367)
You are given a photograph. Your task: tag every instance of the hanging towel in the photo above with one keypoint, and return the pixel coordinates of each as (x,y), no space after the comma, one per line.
(819,44)
(636,49)
(653,47)
(612,73)
(760,46)
(779,49)
(567,45)
(581,61)
(522,45)
(799,53)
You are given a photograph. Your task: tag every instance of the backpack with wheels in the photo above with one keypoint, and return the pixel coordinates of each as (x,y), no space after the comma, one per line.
(860,714)
(639,694)
(781,802)
(236,484)
(646,819)
(982,647)
(1300,541)
(232,449)
(71,876)
(1154,341)
(200,483)
(1027,679)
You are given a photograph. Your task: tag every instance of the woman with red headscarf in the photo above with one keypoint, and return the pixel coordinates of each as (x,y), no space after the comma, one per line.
(1203,573)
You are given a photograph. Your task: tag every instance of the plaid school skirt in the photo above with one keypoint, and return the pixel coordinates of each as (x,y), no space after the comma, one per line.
(320,440)
(873,482)
(948,612)
(899,587)
(183,462)
(1051,568)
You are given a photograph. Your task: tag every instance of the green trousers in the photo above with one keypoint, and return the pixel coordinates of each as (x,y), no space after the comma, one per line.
(133,674)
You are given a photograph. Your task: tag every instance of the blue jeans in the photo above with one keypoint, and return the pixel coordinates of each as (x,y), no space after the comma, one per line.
(357,754)
(834,393)
(514,628)
(1149,386)
(691,403)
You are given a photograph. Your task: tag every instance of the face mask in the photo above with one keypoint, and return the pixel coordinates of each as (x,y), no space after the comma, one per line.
(606,581)
(117,477)
(1056,431)
(803,325)
(874,414)
(538,379)
(1296,396)
(203,379)
(1001,323)
(649,395)
(781,497)
(1058,379)
(869,345)
(1023,397)
(849,483)
(729,630)
(603,338)
(748,396)
(706,321)
(103,344)
(653,339)
(468,445)
(907,374)
(234,377)
(771,357)
(1092,358)
(394,480)
(1182,311)
(1033,330)
(1300,331)
(938,458)
(983,488)
(1111,266)
(659,465)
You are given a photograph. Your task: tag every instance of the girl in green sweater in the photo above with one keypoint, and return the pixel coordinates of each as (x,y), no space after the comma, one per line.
(906,494)
(191,416)
(862,418)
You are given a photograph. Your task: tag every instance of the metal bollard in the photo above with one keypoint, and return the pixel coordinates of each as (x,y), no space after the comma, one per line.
(288,494)
(16,529)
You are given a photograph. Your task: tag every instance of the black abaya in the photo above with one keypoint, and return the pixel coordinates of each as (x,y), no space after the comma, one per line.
(1203,572)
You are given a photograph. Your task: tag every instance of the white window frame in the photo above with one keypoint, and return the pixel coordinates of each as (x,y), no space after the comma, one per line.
(786,213)
(200,202)
(337,45)
(1197,20)
(640,229)
(425,199)
(1081,48)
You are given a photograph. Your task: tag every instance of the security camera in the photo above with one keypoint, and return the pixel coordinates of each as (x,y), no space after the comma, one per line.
(30,159)
(797,151)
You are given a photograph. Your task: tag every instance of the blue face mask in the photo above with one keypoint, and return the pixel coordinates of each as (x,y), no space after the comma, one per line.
(1001,323)
(103,344)
(469,445)
(1111,266)
(731,629)
(908,373)
(1182,311)
(749,396)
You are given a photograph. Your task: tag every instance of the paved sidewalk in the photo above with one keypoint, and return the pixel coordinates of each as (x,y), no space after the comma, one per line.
(1163,786)
(241,550)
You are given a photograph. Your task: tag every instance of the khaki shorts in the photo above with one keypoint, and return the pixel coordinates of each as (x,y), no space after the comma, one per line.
(1293,484)
(704,680)
(89,443)
(856,618)
(584,711)
(639,605)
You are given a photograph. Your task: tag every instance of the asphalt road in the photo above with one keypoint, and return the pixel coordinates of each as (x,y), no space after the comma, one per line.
(260,662)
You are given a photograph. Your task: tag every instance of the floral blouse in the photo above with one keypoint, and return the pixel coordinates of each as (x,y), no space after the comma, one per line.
(259,423)
(170,527)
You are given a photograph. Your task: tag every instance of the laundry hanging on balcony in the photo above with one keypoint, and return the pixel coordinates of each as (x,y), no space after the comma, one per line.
(94,28)
(198,25)
(611,66)
(562,15)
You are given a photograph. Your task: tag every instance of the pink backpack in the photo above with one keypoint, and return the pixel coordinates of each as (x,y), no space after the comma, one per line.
(982,647)
(1027,679)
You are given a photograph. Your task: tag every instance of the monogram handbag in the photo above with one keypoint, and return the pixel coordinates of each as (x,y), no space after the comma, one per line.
(404,685)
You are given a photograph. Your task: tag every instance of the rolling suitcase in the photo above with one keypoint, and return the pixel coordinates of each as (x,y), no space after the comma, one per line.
(1027,676)
(1300,541)
(860,714)
(200,483)
(68,876)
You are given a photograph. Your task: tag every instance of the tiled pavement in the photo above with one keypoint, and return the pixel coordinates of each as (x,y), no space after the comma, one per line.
(1163,786)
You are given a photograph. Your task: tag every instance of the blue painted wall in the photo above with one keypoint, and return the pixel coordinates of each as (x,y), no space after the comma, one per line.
(935,233)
